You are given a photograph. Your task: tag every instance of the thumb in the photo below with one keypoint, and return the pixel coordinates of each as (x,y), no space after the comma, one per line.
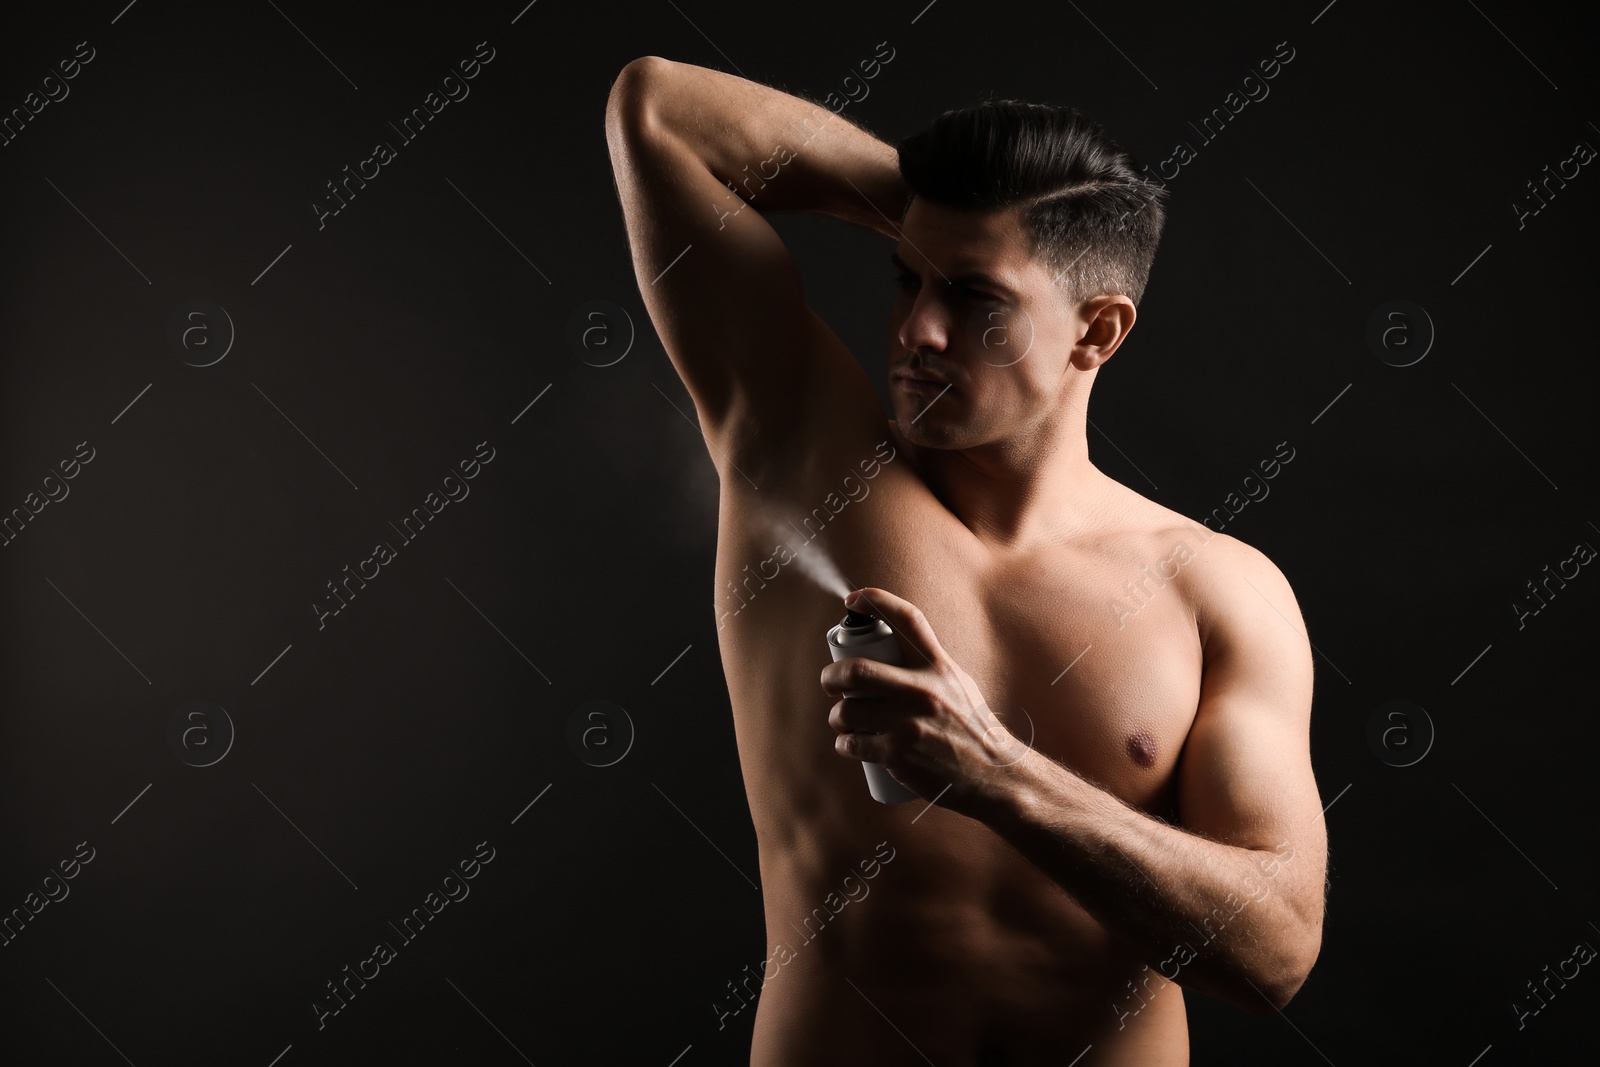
(903,616)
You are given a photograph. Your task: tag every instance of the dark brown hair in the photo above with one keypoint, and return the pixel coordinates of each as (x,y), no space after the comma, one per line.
(1091,217)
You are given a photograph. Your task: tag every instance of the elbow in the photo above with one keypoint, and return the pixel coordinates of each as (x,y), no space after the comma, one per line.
(1273,994)
(628,104)
(1276,985)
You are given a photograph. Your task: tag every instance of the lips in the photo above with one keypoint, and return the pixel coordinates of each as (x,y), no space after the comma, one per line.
(919,376)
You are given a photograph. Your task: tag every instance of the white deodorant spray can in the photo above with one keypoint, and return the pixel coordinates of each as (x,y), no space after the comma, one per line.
(866,635)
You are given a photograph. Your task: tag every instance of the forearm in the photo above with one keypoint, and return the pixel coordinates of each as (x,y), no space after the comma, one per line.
(1210,916)
(776,151)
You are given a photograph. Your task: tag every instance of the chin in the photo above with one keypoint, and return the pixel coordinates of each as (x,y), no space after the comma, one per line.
(927,431)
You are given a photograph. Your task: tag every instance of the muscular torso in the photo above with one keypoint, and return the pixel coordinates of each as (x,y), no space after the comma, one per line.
(953,948)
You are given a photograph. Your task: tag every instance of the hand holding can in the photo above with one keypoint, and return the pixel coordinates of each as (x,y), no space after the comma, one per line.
(867,636)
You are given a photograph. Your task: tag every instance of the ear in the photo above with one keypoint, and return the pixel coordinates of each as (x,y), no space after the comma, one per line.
(1107,319)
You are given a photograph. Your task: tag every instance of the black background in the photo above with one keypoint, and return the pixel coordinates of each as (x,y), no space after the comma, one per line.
(378,351)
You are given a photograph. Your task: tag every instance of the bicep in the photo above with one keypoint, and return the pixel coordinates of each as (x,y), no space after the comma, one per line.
(718,282)
(1245,776)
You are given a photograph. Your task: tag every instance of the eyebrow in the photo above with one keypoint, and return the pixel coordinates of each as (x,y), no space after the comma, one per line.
(971,276)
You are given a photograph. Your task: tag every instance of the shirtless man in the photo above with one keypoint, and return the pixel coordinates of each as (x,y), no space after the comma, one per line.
(1105,706)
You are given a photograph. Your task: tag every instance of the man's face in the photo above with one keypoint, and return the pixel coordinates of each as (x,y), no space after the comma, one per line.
(976,312)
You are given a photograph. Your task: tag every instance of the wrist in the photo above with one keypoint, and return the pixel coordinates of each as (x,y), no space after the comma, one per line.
(887,191)
(1010,794)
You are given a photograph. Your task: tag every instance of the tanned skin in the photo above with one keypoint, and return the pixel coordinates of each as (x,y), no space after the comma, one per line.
(1122,800)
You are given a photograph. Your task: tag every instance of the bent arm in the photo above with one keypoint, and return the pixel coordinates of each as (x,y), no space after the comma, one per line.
(1223,919)
(1232,901)
(699,157)
(778,151)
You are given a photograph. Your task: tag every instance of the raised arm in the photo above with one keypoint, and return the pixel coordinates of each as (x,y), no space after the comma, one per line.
(699,156)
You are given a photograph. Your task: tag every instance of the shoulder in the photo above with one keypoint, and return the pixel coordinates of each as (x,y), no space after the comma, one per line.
(1230,584)
(1136,526)
(1246,612)
(1254,646)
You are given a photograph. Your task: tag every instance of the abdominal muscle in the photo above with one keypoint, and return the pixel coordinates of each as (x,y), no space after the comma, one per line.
(892,941)
(963,961)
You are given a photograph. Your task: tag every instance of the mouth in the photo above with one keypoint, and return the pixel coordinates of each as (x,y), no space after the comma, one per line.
(928,387)
(915,379)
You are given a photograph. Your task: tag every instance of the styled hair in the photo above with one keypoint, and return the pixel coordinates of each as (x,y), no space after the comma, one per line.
(1090,216)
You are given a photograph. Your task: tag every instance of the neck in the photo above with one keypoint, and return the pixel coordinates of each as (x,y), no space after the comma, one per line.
(1031,488)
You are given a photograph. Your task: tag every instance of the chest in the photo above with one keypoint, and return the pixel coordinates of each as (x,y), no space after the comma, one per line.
(1104,682)
(1086,651)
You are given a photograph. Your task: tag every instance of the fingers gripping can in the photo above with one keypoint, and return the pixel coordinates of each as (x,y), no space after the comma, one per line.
(870,637)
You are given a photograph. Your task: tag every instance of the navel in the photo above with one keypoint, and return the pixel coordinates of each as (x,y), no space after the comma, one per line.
(1142,749)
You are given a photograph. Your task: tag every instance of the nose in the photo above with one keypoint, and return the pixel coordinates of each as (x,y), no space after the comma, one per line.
(926,326)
